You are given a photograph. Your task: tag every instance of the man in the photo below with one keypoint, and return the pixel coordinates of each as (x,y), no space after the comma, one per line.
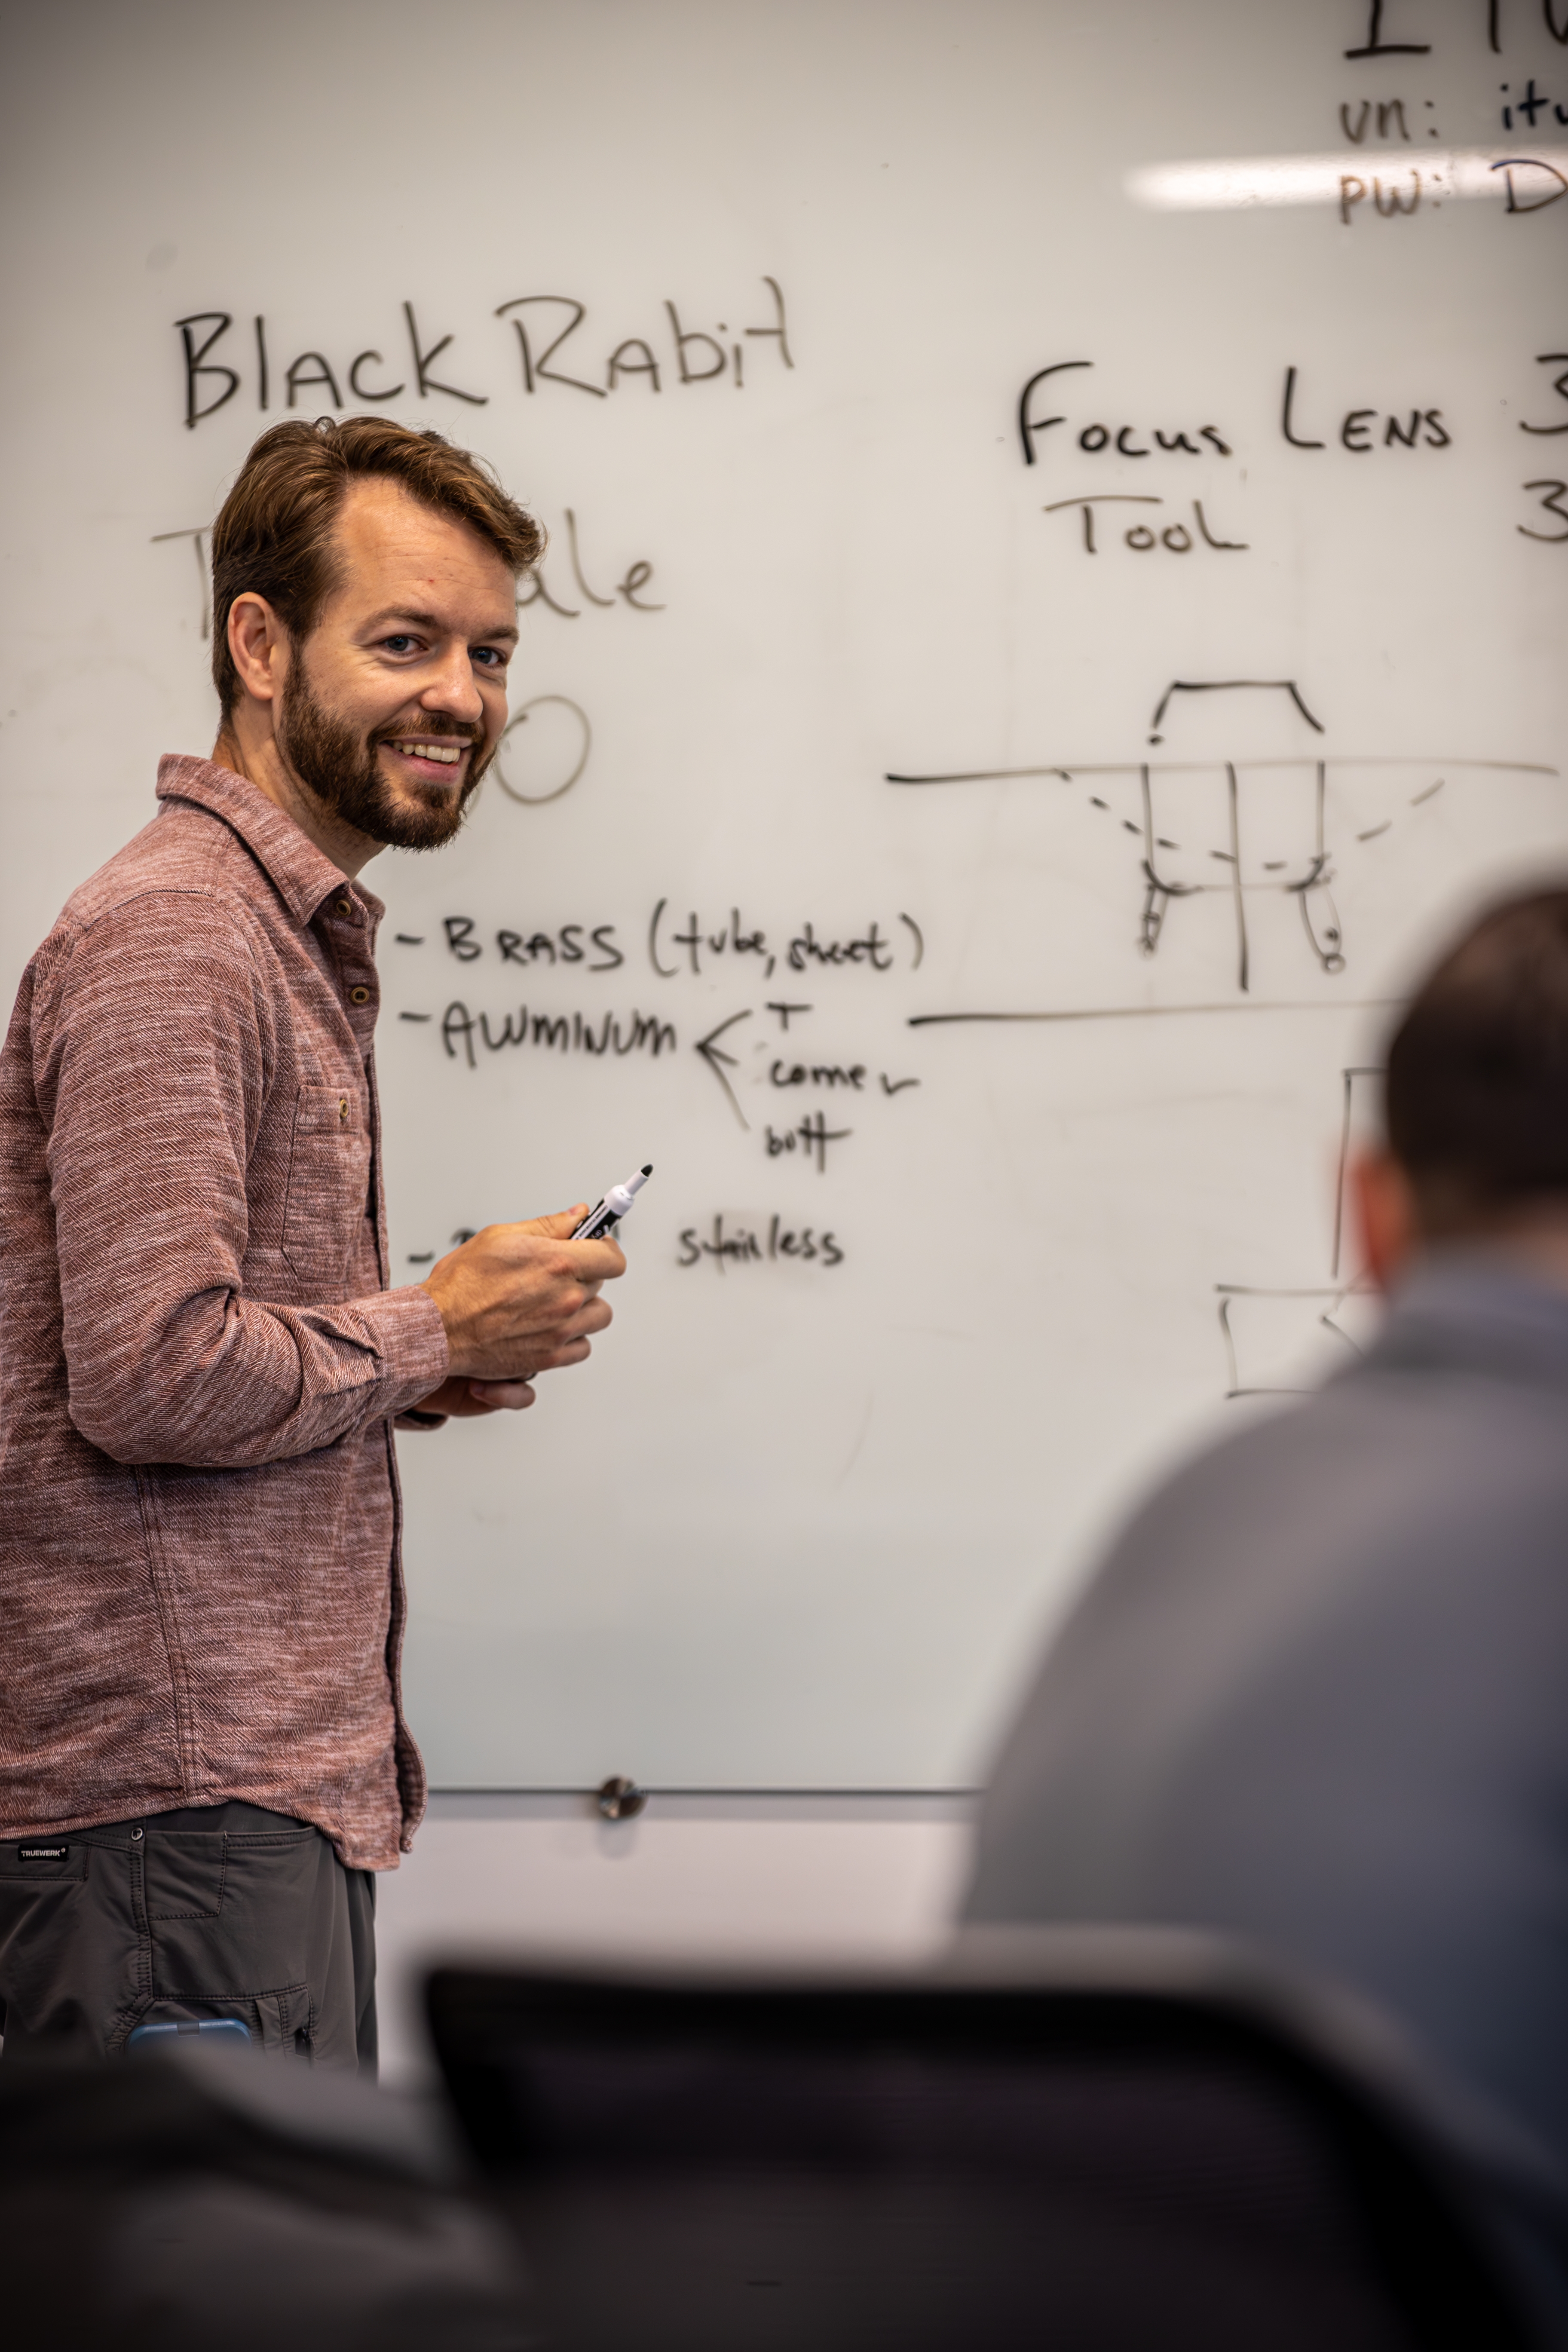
(1317,1697)
(202,1753)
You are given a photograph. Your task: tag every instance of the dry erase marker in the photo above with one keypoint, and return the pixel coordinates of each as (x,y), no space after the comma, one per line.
(601,1222)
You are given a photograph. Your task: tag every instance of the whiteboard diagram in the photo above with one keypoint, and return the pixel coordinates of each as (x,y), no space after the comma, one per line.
(1246,827)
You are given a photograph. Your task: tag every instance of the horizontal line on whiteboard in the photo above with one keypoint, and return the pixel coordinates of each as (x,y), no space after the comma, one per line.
(1156,1012)
(1069,769)
(1262,1290)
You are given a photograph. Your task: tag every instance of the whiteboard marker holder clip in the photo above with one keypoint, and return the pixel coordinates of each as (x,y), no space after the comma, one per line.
(619,1798)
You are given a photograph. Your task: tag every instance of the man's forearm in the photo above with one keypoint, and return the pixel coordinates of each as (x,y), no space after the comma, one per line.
(225,1382)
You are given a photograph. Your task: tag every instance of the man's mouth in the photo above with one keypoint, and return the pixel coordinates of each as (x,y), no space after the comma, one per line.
(436,750)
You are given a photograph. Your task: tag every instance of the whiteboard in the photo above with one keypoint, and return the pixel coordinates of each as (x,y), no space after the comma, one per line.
(1135,416)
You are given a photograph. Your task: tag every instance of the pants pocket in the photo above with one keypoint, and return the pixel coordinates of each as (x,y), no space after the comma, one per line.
(184,1873)
(41,1861)
(278,2023)
(265,1935)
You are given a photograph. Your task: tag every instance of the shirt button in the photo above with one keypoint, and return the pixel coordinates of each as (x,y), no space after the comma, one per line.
(342,1110)
(360,995)
(342,907)
(137,1836)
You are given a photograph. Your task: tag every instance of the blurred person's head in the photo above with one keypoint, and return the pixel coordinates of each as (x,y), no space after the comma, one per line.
(1476,1099)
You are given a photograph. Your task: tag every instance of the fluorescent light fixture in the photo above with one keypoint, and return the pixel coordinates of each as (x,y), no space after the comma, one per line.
(1525,183)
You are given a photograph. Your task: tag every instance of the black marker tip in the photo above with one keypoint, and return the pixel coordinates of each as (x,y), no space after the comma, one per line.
(647,1170)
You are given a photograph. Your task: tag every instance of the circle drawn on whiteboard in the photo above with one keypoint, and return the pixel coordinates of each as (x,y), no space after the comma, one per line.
(554,754)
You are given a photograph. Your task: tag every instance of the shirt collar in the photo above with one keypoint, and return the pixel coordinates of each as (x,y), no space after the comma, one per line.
(1471,1309)
(300,873)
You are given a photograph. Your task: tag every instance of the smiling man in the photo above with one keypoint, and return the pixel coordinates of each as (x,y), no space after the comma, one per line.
(202,1757)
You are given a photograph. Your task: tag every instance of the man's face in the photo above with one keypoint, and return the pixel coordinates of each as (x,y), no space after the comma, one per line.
(392,707)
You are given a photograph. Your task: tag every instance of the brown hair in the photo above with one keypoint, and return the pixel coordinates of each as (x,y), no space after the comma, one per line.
(1476,1100)
(274,536)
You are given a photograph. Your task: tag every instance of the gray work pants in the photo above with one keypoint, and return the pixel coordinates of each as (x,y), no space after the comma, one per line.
(223,1911)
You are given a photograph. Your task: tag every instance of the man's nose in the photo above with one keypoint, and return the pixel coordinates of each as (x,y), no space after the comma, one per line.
(453,689)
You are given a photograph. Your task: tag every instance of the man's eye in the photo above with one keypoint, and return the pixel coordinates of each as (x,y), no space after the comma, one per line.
(491,656)
(400,643)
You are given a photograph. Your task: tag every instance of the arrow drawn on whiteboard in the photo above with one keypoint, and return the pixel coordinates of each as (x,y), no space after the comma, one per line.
(718,1061)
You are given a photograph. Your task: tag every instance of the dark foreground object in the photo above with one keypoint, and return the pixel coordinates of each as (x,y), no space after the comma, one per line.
(1104,2163)
(194,2203)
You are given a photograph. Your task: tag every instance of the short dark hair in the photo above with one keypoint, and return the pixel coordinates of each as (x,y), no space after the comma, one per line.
(1476,1093)
(274,536)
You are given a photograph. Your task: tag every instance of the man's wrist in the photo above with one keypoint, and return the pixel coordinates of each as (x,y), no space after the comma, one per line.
(411,1340)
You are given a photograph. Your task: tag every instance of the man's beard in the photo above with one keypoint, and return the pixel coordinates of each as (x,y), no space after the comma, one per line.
(341,768)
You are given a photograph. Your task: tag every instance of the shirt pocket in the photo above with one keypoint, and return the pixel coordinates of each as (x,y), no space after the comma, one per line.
(329,1188)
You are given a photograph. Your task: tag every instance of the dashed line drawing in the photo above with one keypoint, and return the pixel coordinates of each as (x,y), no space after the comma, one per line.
(1306,877)
(1264,823)
(1258,1323)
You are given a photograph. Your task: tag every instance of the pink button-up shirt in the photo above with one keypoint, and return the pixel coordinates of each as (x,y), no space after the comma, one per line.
(200,1589)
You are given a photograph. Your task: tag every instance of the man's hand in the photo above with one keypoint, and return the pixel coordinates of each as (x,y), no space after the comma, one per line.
(517,1300)
(463,1400)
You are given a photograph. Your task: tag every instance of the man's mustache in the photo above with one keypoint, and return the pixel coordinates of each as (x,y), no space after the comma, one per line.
(448,731)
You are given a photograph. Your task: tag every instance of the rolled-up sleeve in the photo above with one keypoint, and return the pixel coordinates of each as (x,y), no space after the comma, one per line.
(152,1058)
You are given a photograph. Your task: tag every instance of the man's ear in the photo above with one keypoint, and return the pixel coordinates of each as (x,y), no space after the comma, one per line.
(258,645)
(1385,1216)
